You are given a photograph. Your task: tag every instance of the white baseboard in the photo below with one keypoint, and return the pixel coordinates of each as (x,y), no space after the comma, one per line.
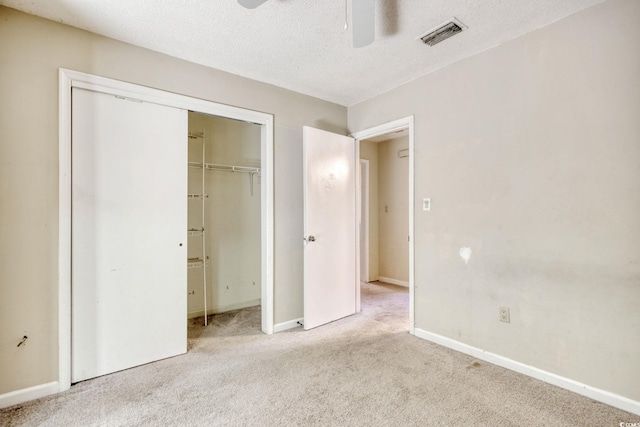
(603,396)
(393,281)
(27,394)
(223,308)
(279,327)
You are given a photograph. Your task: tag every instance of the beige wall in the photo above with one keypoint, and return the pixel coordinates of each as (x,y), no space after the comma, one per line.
(31,51)
(393,210)
(369,151)
(530,152)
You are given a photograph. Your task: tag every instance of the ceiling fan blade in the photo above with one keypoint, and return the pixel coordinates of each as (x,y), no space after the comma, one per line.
(363,16)
(251,4)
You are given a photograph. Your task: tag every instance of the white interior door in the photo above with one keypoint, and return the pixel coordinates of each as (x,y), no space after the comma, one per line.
(363,222)
(129,216)
(330,277)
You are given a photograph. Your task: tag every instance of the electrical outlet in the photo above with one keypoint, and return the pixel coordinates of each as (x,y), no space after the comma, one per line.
(503,315)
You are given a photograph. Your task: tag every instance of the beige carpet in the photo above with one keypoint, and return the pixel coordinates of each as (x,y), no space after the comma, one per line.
(365,370)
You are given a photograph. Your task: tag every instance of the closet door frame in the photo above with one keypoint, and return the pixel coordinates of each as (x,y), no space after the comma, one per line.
(69,79)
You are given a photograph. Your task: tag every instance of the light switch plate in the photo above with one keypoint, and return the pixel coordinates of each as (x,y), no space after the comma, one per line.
(426,204)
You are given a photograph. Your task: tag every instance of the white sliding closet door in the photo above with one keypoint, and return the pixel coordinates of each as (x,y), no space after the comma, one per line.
(129,217)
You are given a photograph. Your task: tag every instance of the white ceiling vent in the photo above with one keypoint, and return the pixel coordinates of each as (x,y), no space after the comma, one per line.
(442,32)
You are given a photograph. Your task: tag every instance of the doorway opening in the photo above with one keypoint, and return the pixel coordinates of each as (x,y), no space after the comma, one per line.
(385,202)
(224,206)
(384,188)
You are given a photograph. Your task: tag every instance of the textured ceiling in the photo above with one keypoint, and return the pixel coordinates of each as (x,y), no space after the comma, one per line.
(302,44)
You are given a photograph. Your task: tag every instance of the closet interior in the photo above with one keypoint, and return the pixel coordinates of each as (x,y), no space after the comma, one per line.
(224,228)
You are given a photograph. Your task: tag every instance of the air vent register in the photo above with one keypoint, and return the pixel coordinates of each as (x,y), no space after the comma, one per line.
(442,32)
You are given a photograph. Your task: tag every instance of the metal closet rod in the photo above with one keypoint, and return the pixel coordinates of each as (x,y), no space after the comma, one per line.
(228,168)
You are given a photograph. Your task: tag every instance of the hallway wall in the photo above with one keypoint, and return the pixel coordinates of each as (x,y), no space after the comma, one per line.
(393,222)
